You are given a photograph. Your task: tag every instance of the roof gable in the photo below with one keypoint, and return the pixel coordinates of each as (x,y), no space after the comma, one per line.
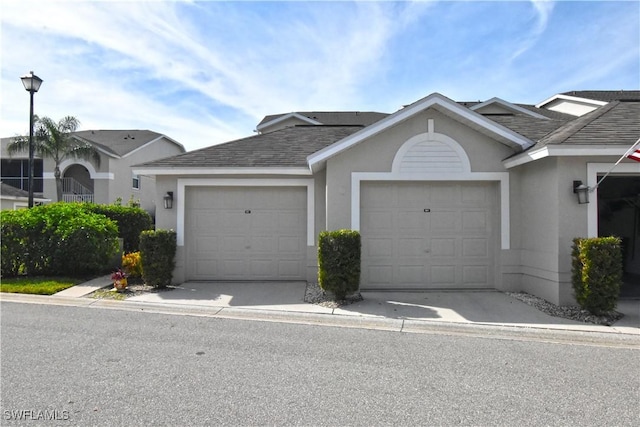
(333,118)
(440,103)
(121,143)
(274,120)
(497,106)
(574,105)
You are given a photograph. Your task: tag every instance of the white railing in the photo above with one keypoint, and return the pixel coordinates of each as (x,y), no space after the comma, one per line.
(73,191)
(77,198)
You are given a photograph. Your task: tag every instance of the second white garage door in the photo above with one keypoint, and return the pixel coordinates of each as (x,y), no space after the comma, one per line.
(428,235)
(245,233)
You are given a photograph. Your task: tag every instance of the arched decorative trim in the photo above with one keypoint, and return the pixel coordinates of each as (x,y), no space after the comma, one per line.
(90,167)
(431,152)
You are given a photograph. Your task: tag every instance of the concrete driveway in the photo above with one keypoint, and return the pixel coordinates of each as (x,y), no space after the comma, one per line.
(481,307)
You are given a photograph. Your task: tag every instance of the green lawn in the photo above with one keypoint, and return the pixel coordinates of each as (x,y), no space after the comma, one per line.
(37,285)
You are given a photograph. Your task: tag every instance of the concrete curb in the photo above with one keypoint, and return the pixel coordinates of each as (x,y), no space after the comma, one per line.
(595,335)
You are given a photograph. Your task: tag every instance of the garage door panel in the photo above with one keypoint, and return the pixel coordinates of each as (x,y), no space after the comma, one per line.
(475,220)
(380,274)
(443,275)
(443,220)
(378,219)
(434,234)
(246,233)
(475,275)
(378,247)
(475,248)
(207,244)
(410,247)
(289,244)
(442,247)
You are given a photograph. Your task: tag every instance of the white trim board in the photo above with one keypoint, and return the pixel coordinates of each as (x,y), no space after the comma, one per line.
(502,177)
(593,169)
(220,171)
(233,182)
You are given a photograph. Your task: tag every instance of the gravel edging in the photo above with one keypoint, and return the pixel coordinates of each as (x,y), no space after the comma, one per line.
(315,295)
(566,311)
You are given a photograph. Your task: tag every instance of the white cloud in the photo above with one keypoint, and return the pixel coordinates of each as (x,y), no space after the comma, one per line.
(97,57)
(543,9)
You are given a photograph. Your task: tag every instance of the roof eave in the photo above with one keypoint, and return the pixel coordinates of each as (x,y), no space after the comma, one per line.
(583,150)
(182,170)
(435,100)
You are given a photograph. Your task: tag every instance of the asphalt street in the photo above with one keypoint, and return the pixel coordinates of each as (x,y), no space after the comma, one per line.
(87,366)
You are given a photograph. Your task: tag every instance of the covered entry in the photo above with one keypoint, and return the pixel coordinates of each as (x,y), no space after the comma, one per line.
(429,235)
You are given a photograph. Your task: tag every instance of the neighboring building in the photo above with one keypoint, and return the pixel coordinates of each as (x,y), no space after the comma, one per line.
(13,198)
(86,182)
(446,195)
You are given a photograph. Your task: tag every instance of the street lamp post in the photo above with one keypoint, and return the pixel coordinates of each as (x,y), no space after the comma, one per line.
(31,83)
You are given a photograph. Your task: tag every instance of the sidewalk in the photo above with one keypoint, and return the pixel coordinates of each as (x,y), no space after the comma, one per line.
(284,301)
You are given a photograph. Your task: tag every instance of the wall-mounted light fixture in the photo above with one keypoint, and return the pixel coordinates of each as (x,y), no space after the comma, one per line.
(168,200)
(582,191)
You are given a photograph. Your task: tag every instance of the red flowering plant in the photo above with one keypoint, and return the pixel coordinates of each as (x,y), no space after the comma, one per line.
(119,278)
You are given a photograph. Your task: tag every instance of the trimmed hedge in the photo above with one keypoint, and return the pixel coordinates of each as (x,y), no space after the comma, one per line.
(597,273)
(339,262)
(56,239)
(157,253)
(131,222)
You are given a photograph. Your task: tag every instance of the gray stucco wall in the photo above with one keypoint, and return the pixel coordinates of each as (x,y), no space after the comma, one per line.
(377,154)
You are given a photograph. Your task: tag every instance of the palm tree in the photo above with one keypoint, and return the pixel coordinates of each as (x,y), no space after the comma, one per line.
(54,140)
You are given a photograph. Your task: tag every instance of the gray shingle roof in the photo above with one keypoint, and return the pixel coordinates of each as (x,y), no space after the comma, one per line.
(606,95)
(615,123)
(118,142)
(527,126)
(288,147)
(8,190)
(349,118)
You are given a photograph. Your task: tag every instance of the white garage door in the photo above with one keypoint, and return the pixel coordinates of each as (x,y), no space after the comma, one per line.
(435,235)
(242,233)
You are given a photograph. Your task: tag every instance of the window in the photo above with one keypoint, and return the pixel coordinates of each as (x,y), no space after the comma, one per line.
(15,172)
(136,181)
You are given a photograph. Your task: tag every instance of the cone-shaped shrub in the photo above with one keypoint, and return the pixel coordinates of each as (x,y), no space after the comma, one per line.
(157,253)
(597,273)
(339,262)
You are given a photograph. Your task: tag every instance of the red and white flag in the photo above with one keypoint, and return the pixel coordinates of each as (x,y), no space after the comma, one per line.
(635,155)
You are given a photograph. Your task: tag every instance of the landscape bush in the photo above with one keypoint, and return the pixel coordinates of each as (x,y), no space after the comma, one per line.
(597,273)
(157,252)
(131,222)
(56,239)
(132,264)
(339,262)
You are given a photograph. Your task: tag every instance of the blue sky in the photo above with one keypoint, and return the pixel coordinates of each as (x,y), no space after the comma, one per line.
(207,72)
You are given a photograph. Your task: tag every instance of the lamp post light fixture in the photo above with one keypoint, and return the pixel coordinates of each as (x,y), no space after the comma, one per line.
(31,83)
(168,200)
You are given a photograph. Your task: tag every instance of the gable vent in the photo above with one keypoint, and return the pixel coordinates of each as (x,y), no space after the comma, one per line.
(431,156)
(431,152)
